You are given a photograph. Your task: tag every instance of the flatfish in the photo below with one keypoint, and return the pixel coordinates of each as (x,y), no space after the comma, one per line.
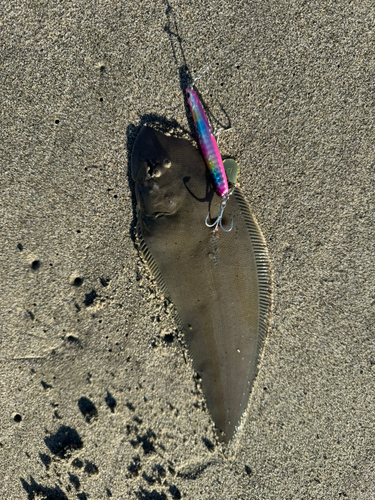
(218,282)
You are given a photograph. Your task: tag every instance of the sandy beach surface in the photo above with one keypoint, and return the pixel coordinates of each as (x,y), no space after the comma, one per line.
(98,398)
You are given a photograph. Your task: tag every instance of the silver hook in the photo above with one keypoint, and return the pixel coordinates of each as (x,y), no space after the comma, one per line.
(218,221)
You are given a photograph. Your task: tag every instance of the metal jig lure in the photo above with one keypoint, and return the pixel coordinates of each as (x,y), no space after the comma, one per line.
(211,156)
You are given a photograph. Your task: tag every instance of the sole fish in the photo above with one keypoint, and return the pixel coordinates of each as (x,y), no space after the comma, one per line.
(218,282)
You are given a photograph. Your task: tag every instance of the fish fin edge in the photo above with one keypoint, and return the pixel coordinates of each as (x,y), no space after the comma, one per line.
(263,267)
(155,273)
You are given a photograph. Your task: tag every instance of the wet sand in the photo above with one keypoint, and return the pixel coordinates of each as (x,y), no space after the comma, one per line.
(98,397)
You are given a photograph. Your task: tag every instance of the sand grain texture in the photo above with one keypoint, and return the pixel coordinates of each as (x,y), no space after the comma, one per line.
(97,400)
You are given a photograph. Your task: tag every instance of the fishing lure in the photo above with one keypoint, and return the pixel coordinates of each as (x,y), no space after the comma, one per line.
(211,156)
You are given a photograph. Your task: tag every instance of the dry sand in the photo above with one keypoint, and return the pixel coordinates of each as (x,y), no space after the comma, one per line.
(98,399)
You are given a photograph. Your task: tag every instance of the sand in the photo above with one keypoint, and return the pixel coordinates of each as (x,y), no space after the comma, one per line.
(98,398)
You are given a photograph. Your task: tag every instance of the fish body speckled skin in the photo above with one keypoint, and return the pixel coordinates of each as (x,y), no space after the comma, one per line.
(219,284)
(208,144)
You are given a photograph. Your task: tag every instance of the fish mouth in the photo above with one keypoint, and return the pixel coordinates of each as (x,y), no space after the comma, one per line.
(155,201)
(151,212)
(156,215)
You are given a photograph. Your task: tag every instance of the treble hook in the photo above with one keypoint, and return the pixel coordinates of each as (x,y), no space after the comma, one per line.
(219,218)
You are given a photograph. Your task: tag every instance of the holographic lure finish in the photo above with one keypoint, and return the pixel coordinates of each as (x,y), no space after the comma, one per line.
(208,144)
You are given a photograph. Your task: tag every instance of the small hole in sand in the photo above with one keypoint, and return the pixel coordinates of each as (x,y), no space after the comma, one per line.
(17,418)
(35,265)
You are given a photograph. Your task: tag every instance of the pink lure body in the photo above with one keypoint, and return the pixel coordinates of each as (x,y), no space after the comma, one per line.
(208,144)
